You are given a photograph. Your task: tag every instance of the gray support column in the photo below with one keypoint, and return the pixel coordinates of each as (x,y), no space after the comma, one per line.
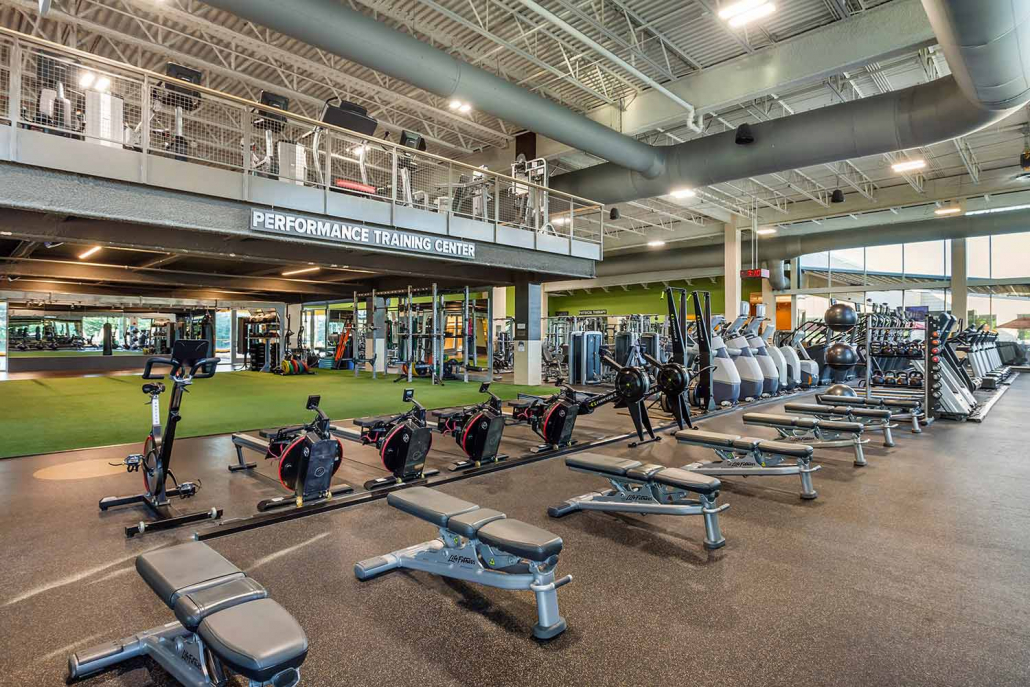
(959,286)
(375,341)
(795,280)
(731,269)
(490,336)
(527,333)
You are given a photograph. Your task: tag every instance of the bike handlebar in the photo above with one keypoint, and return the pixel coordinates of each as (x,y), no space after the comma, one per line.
(203,369)
(148,367)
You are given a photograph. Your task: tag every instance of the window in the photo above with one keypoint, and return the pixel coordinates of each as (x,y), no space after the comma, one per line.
(1008,308)
(924,261)
(892,299)
(979,311)
(978,257)
(883,264)
(811,308)
(847,267)
(223,331)
(814,268)
(1009,256)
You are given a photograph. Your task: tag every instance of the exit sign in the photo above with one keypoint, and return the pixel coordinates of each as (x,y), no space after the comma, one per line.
(754,274)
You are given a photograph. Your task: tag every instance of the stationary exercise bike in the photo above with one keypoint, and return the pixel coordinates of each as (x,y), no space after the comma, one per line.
(403,442)
(307,457)
(189,362)
(476,429)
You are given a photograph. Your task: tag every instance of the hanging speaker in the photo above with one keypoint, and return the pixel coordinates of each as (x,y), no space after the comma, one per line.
(614,214)
(837,196)
(744,135)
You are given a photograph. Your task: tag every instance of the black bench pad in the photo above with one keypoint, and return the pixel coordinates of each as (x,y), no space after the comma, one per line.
(602,463)
(184,568)
(431,506)
(809,408)
(685,479)
(816,409)
(786,449)
(697,436)
(774,420)
(520,539)
(468,524)
(842,426)
(192,608)
(256,639)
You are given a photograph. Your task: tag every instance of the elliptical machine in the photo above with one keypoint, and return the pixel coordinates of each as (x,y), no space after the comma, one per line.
(476,429)
(403,442)
(307,457)
(752,379)
(189,362)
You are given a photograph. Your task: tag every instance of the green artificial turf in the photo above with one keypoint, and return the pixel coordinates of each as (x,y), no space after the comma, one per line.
(47,415)
(66,354)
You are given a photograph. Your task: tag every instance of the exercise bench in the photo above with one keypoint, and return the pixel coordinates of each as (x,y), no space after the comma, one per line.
(813,431)
(874,419)
(902,409)
(479,545)
(225,620)
(648,489)
(749,456)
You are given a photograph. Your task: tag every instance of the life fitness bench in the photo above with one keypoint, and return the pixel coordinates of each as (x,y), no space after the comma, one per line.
(902,409)
(647,489)
(749,456)
(813,431)
(225,620)
(479,545)
(874,419)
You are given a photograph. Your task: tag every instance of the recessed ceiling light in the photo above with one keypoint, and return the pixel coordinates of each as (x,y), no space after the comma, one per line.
(765,231)
(304,270)
(656,244)
(454,104)
(465,108)
(91,251)
(683,193)
(909,165)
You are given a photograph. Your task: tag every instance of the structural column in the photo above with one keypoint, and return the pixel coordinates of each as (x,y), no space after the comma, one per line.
(528,301)
(375,341)
(500,303)
(731,270)
(959,287)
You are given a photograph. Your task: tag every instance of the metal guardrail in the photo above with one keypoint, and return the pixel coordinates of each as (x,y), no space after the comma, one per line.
(49,87)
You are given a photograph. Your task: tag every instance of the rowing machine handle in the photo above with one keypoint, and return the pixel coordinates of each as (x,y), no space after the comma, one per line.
(205,368)
(148,367)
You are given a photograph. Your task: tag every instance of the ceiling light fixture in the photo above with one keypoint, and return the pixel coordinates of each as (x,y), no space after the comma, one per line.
(908,165)
(683,193)
(745,12)
(454,104)
(656,244)
(91,251)
(765,231)
(991,211)
(465,108)
(303,270)
(949,210)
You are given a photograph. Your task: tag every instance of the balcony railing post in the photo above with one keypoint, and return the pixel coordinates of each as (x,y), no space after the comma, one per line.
(144,129)
(572,219)
(393,189)
(248,158)
(497,211)
(14,96)
(324,180)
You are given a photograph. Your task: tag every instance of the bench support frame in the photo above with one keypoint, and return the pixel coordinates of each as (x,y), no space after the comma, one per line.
(180,652)
(647,498)
(754,463)
(452,555)
(818,437)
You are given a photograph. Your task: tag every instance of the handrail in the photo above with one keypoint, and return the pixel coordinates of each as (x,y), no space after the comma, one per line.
(57,47)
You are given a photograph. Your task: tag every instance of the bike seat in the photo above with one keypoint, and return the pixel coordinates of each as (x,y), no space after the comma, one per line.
(149,389)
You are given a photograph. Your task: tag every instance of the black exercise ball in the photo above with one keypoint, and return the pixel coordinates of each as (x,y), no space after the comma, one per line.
(841,356)
(840,317)
(840,390)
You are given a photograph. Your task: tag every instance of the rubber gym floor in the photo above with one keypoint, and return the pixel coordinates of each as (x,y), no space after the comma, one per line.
(911,571)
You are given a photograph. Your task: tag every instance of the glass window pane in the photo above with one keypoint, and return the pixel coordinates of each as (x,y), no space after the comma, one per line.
(223,331)
(924,261)
(979,310)
(1009,256)
(883,265)
(814,268)
(978,257)
(847,267)
(1008,308)
(893,299)
(811,307)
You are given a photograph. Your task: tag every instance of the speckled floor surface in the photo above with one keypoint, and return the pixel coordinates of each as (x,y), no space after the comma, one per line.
(911,571)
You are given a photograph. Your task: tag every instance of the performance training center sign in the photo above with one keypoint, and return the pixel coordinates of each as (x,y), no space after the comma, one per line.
(329,231)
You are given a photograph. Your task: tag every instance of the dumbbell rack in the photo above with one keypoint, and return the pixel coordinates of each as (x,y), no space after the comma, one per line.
(930,364)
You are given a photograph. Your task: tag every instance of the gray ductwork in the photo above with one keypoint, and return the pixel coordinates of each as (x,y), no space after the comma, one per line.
(991,76)
(335,27)
(981,39)
(778,275)
(789,247)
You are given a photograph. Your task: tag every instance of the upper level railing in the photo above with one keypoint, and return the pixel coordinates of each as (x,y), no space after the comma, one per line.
(65,92)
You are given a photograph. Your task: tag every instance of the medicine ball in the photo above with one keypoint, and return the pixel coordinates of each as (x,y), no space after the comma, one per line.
(840,317)
(841,356)
(840,390)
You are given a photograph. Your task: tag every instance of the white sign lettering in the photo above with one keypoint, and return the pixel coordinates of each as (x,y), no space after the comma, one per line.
(273,221)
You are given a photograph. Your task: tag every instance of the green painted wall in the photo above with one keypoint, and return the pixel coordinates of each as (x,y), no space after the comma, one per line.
(638,300)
